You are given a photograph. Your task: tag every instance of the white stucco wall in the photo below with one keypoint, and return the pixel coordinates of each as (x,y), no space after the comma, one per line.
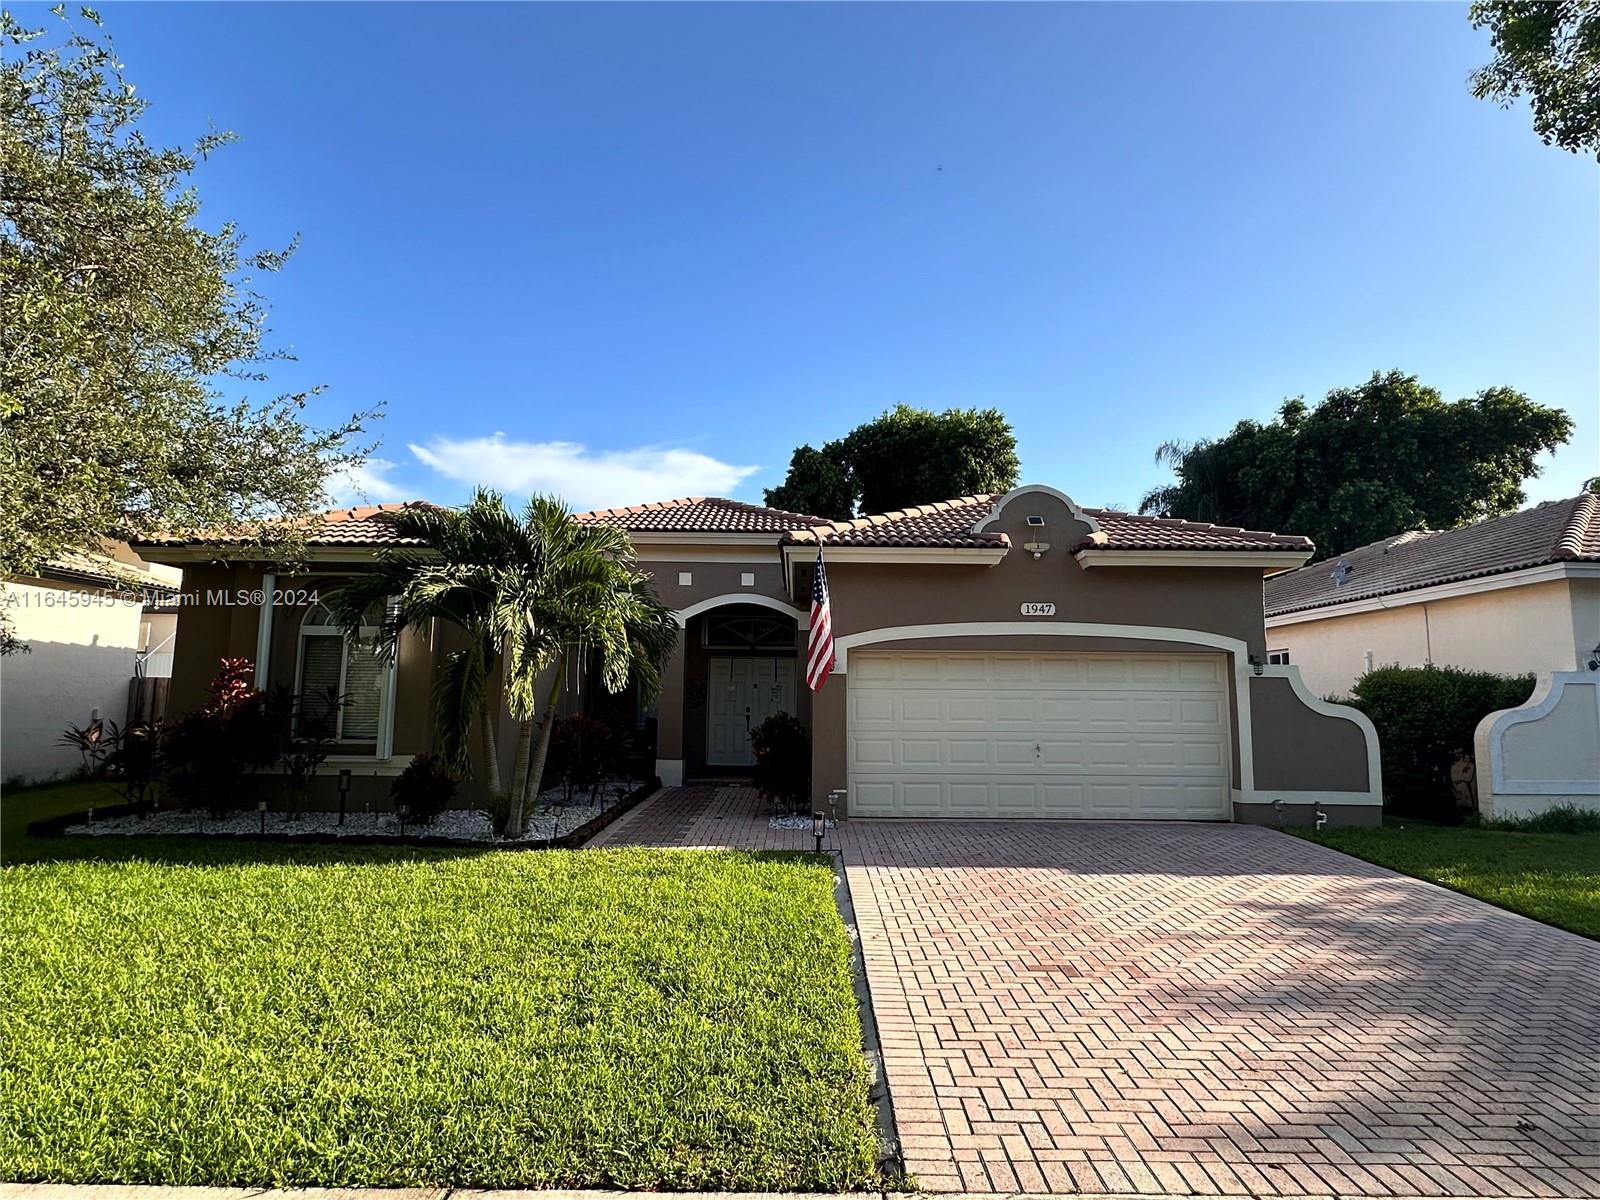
(82,644)
(1544,753)
(1534,628)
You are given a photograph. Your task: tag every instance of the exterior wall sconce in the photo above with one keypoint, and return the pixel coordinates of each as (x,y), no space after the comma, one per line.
(1257,667)
(1033,546)
(1594,658)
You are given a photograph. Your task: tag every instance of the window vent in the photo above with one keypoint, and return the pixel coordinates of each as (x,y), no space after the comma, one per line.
(1036,520)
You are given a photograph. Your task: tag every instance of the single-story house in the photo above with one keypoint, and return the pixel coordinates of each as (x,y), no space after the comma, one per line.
(1013,655)
(99,630)
(1516,595)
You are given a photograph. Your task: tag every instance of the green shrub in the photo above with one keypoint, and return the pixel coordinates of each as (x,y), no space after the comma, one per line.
(211,752)
(582,751)
(1425,717)
(783,762)
(1562,818)
(423,790)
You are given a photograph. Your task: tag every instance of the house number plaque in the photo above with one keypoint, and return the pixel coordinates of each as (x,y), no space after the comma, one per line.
(1036,608)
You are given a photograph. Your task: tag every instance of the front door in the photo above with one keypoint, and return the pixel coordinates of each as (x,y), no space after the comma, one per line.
(743,693)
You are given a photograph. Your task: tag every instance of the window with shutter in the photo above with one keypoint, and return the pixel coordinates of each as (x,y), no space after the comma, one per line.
(363,694)
(319,672)
(332,663)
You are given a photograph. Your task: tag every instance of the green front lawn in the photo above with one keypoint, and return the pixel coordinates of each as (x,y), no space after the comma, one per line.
(1552,877)
(284,1015)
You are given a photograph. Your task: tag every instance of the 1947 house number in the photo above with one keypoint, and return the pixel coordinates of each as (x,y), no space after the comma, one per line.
(1034,608)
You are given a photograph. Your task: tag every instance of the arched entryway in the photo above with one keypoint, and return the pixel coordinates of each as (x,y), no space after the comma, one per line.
(741,666)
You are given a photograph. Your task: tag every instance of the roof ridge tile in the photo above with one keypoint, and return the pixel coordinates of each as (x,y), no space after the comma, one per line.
(1576,533)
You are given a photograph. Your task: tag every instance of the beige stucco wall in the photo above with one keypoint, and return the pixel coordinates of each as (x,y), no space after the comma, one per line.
(210,629)
(1511,631)
(1545,752)
(81,643)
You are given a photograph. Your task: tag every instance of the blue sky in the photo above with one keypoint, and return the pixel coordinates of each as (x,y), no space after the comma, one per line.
(634,252)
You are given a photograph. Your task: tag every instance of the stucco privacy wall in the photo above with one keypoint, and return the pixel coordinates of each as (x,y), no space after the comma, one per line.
(82,642)
(1545,752)
(1508,630)
(1310,756)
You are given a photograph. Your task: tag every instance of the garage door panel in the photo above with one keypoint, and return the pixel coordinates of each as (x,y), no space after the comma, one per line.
(1202,712)
(1061,799)
(1045,735)
(1059,670)
(871,752)
(1201,670)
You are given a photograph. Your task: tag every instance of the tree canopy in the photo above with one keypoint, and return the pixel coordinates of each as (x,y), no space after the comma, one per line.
(121,315)
(905,457)
(1548,50)
(1365,464)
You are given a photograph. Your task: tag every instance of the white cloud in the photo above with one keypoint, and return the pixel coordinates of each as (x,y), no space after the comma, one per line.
(365,483)
(584,478)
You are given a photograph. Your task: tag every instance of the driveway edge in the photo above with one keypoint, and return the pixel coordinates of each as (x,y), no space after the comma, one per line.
(891,1160)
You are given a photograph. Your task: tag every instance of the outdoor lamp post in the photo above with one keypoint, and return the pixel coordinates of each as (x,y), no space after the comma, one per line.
(344,791)
(818,824)
(261,807)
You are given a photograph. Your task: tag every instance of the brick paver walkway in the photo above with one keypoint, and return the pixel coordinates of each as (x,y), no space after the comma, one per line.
(1179,1008)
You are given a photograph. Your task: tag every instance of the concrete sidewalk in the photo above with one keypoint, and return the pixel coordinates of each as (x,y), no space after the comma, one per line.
(111,1191)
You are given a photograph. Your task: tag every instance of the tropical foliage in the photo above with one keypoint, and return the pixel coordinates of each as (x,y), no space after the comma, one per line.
(454,580)
(1366,463)
(905,457)
(783,762)
(531,593)
(423,790)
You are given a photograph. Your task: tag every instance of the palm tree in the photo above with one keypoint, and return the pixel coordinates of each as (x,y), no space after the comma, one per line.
(569,592)
(454,579)
(531,594)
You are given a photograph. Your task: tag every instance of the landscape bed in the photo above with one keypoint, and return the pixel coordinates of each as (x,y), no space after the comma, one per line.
(551,822)
(1552,877)
(338,1015)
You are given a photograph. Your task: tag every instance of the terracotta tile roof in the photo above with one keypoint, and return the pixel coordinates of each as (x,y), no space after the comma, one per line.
(949,523)
(701,514)
(363,525)
(946,523)
(1135,531)
(1558,531)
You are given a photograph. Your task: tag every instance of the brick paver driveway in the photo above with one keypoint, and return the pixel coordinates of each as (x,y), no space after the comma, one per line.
(1107,1007)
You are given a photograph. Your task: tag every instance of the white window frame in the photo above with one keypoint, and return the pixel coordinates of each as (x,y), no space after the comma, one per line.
(1278,658)
(384,742)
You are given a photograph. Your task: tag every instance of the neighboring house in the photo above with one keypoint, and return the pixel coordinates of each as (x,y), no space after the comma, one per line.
(93,623)
(1008,656)
(1516,594)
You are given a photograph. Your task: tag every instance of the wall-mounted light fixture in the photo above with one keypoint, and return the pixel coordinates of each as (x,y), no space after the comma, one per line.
(1594,658)
(1033,545)
(1257,666)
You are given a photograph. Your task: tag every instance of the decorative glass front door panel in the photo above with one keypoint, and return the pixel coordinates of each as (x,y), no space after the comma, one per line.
(742,693)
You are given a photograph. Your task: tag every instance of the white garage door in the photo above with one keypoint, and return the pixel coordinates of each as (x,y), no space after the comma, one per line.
(1039,735)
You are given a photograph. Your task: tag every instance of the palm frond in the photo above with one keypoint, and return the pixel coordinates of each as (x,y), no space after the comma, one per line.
(458,694)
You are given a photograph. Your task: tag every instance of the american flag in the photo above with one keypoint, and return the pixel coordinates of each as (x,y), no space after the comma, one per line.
(819,656)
